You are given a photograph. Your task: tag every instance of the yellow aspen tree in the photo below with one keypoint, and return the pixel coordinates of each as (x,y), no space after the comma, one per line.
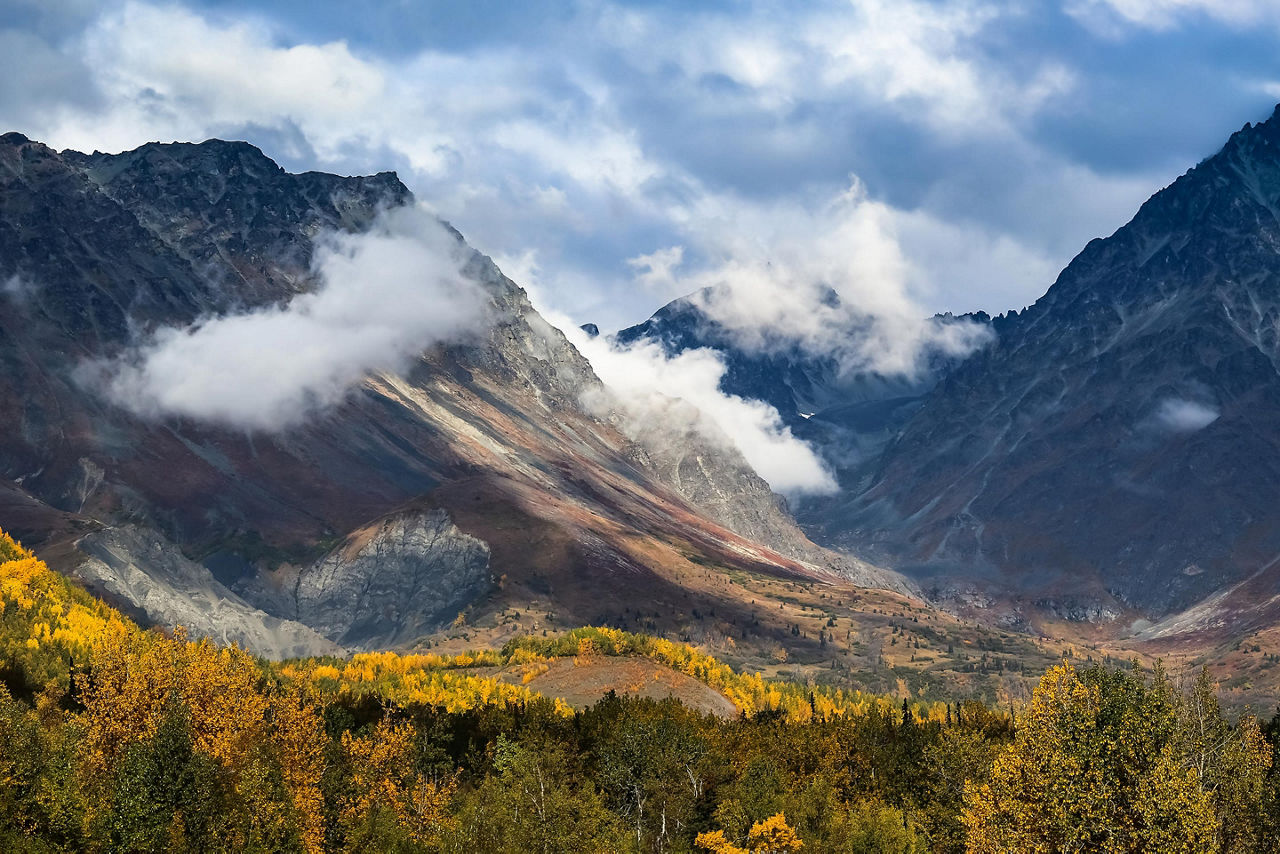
(1081,778)
(299,738)
(124,697)
(219,688)
(771,836)
(383,776)
(715,842)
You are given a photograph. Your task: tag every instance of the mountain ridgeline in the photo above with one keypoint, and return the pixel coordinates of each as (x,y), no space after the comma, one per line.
(475,480)
(1113,453)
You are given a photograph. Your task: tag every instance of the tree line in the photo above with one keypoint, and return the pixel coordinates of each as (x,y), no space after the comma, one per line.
(115,738)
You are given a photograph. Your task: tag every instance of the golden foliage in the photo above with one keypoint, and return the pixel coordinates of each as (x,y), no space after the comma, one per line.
(299,735)
(715,842)
(384,777)
(771,836)
(1075,780)
(47,621)
(137,675)
(408,679)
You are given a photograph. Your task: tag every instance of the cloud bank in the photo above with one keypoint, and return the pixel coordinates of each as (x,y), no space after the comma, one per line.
(592,133)
(1185,416)
(644,382)
(383,297)
(646,387)
(769,280)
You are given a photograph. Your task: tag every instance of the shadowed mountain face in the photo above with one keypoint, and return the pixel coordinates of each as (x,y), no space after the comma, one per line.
(375,520)
(1118,446)
(1122,438)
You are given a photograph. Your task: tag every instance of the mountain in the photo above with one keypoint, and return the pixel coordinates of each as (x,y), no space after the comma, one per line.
(476,480)
(1111,456)
(1116,448)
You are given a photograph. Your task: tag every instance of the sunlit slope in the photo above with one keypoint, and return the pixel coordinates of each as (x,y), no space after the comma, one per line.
(54,635)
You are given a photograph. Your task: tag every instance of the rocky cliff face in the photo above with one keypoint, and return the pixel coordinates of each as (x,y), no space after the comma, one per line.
(395,581)
(96,250)
(724,486)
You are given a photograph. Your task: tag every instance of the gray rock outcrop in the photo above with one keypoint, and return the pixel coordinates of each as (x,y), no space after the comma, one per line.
(393,581)
(139,568)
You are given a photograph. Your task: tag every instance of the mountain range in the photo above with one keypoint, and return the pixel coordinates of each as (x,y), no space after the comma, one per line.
(1101,467)
(1108,456)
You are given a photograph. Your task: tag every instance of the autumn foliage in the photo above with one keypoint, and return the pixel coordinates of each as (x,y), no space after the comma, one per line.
(115,738)
(1107,762)
(771,836)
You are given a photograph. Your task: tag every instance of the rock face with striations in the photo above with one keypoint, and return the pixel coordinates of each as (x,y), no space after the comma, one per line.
(397,580)
(141,570)
(726,488)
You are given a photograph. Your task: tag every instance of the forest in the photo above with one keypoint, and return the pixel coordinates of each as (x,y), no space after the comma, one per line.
(118,738)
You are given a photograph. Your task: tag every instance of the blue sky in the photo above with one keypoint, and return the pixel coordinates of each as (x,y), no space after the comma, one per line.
(918,156)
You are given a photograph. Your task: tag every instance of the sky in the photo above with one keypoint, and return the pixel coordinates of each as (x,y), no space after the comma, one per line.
(931,156)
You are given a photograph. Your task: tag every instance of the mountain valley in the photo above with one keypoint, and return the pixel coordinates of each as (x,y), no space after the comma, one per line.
(489,487)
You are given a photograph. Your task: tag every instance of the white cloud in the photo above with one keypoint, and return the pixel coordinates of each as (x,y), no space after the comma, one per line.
(771,268)
(1185,416)
(919,56)
(656,271)
(17,287)
(644,381)
(383,297)
(1110,16)
(654,392)
(168,73)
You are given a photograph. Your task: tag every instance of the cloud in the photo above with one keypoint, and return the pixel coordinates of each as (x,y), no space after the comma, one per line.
(656,271)
(1185,416)
(657,394)
(382,297)
(165,72)
(768,273)
(644,382)
(921,58)
(17,287)
(1108,16)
